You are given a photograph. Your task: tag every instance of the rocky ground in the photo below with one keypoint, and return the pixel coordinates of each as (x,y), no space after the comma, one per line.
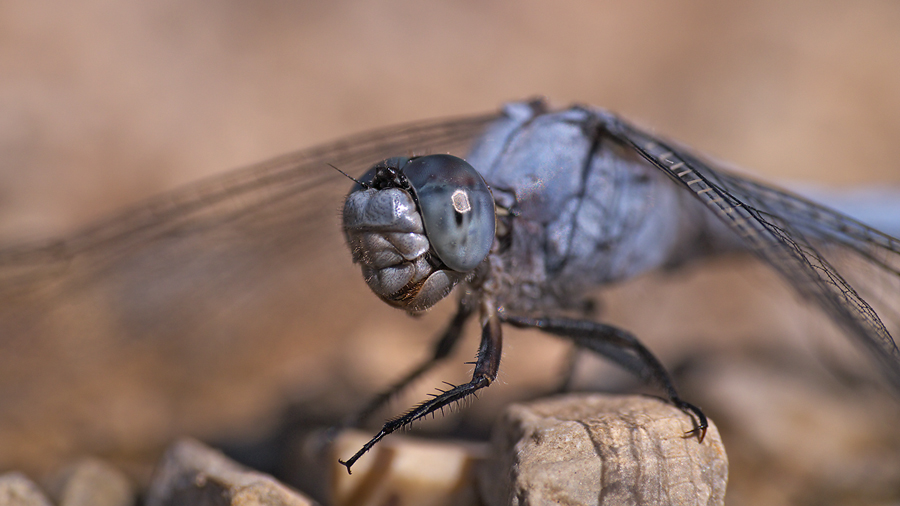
(577,449)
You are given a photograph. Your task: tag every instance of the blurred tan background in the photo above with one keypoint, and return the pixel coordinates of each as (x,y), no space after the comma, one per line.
(105,103)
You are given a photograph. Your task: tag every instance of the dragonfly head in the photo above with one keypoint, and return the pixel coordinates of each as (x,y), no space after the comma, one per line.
(418,226)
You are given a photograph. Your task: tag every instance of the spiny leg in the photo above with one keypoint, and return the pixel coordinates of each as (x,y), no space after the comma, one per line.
(619,346)
(486,367)
(442,349)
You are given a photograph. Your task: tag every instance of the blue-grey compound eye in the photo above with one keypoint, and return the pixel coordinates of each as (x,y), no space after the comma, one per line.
(457,209)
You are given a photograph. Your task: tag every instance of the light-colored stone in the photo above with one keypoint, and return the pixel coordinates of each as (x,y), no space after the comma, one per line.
(601,449)
(191,473)
(17,490)
(92,482)
(405,471)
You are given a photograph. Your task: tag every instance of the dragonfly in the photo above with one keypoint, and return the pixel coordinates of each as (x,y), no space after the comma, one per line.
(551,203)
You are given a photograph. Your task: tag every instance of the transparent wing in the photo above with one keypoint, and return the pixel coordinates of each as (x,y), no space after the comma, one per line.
(204,308)
(805,242)
(292,199)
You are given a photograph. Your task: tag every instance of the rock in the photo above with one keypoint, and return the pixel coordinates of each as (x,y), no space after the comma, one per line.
(404,471)
(92,482)
(191,474)
(602,449)
(17,490)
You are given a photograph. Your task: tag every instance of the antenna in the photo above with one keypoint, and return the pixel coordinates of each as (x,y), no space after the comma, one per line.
(348,176)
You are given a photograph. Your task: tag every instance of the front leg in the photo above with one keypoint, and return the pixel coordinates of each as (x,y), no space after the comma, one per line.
(486,367)
(619,346)
(442,349)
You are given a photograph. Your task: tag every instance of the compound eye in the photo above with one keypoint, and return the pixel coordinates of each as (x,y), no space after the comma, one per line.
(457,209)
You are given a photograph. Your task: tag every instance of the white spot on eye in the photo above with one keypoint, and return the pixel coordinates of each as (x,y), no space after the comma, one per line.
(461,201)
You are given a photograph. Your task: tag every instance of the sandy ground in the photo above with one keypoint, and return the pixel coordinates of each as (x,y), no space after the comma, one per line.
(103,104)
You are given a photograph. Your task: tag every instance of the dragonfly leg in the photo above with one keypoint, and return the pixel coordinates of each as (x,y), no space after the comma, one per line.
(442,349)
(622,348)
(486,367)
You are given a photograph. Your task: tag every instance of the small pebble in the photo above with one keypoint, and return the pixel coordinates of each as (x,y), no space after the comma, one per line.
(403,470)
(17,490)
(191,473)
(92,482)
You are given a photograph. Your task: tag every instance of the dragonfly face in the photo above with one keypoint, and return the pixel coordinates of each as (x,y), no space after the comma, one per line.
(418,227)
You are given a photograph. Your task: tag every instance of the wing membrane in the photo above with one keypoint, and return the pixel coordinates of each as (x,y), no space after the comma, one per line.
(232,295)
(802,240)
(284,199)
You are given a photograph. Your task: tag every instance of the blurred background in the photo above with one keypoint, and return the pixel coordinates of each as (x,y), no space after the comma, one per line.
(103,104)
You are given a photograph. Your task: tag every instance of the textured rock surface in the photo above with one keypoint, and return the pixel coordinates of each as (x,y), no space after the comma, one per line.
(598,449)
(17,490)
(193,474)
(404,471)
(92,482)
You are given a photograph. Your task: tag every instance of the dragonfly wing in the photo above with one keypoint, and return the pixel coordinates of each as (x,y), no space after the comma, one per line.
(292,200)
(805,242)
(217,302)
